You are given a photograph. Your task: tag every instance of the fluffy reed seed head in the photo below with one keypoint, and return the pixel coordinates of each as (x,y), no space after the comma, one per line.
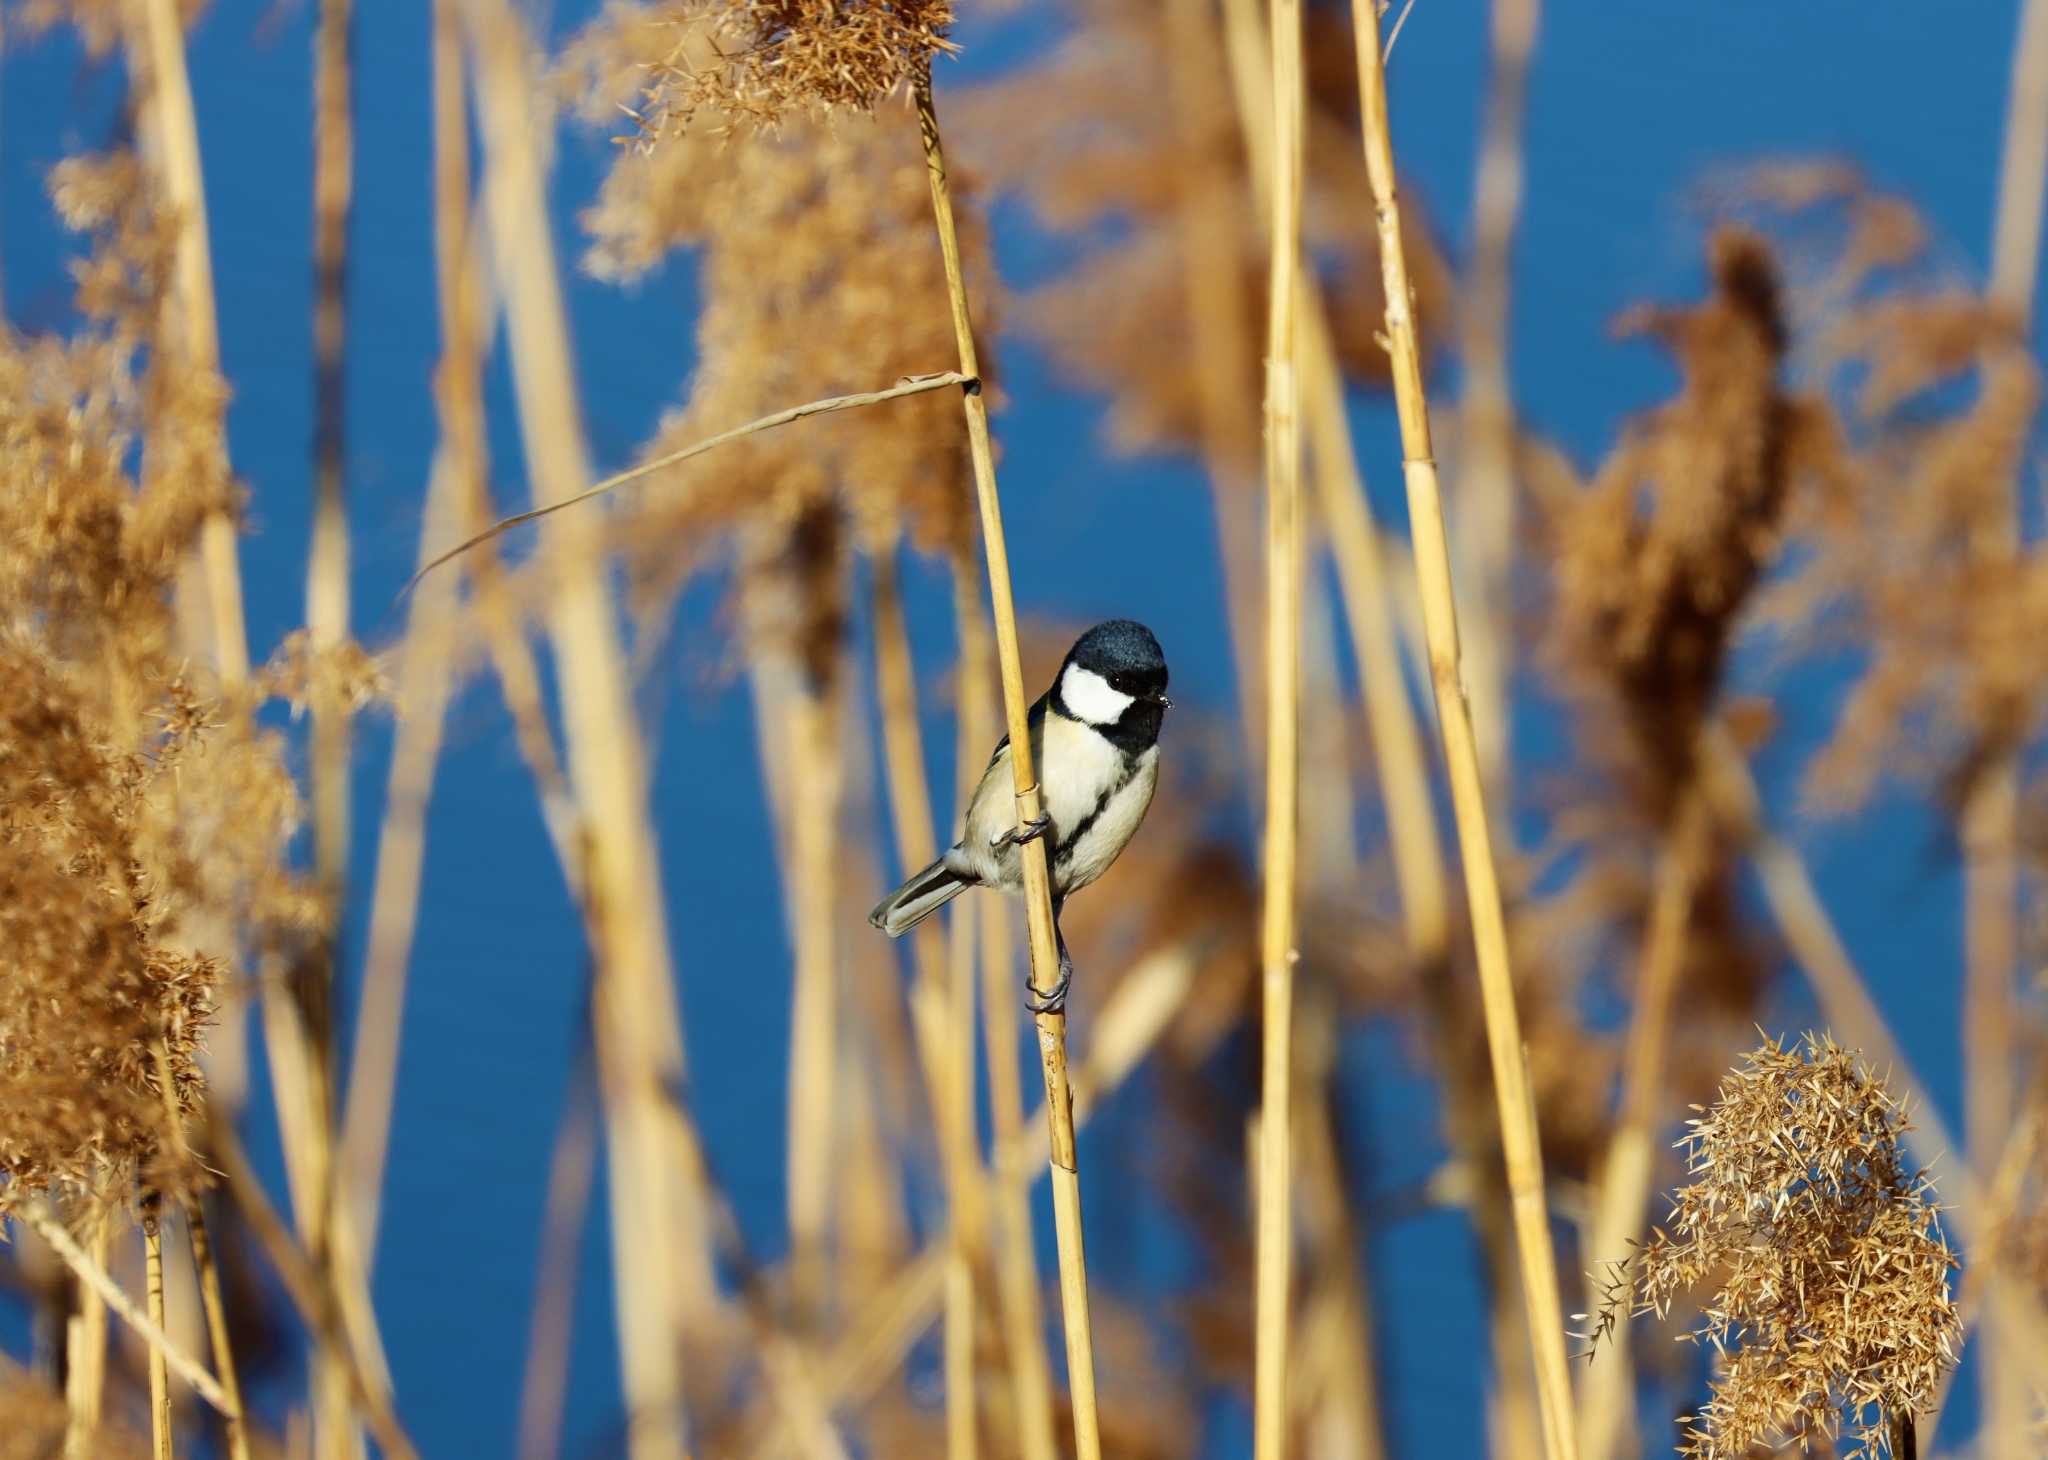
(139,817)
(820,275)
(1830,1309)
(746,64)
(1138,148)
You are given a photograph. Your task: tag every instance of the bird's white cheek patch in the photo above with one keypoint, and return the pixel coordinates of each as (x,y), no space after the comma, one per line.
(1089,696)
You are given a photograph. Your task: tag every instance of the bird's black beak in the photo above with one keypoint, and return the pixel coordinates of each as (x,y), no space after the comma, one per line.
(1162,701)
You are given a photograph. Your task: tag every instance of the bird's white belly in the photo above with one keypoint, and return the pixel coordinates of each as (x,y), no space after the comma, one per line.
(1087,856)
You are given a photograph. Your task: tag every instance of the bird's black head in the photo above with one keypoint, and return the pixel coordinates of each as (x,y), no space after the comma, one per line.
(1114,678)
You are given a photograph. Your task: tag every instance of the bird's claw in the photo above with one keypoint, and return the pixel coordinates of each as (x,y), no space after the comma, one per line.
(1030,831)
(1054,1002)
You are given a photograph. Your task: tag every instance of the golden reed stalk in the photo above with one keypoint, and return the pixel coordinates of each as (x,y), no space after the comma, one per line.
(1520,1142)
(1009,1190)
(1275,1258)
(1052,1028)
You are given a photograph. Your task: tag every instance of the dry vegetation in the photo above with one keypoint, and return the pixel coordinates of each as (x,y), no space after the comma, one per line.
(1826,542)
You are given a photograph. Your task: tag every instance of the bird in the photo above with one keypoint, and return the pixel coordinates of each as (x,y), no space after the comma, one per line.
(1095,746)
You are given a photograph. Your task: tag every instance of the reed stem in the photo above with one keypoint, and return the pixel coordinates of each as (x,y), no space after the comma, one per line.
(1017,1288)
(149,1325)
(85,1349)
(160,1420)
(1052,1027)
(1521,1144)
(1275,1257)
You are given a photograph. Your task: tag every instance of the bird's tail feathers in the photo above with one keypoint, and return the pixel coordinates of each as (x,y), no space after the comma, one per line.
(918,898)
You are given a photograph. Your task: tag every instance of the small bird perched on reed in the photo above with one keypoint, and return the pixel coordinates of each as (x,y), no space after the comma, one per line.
(1095,744)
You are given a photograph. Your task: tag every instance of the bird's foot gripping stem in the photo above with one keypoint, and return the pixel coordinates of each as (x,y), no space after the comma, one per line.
(1054,1002)
(1030,831)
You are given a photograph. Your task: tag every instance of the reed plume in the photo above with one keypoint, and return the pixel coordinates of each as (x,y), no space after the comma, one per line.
(1830,1275)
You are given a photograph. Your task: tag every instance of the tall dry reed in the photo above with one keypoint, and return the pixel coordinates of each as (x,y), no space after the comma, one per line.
(1275,1276)
(1521,1144)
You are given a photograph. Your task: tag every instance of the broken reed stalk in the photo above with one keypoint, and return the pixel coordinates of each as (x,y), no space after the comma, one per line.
(663,1282)
(1009,1191)
(1990,818)
(1052,1027)
(941,1005)
(149,1325)
(1488,495)
(160,48)
(909,385)
(1275,1255)
(1607,1392)
(1521,1145)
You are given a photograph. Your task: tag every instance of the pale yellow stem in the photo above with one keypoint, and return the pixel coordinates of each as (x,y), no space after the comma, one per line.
(1052,1027)
(1275,1236)
(86,1350)
(1520,1142)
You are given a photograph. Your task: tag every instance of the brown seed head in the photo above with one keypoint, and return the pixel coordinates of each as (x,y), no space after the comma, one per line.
(1830,1275)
